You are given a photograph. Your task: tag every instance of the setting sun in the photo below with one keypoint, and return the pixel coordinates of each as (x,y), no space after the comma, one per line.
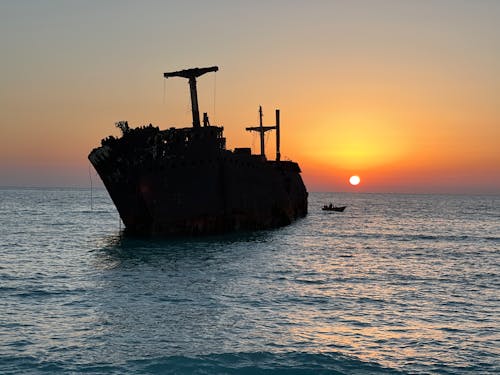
(354,180)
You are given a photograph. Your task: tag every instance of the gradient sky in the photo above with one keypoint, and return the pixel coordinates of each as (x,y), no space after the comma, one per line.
(406,94)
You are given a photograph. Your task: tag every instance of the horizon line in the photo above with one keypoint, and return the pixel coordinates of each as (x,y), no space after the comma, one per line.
(7,187)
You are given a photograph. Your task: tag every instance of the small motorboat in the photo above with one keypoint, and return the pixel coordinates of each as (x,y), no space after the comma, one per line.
(331,207)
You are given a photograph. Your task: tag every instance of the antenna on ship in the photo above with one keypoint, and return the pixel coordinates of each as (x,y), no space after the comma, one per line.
(192,74)
(262,129)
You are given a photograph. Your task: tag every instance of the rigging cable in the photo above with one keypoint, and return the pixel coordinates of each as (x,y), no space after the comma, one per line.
(91,190)
(215,92)
(164,89)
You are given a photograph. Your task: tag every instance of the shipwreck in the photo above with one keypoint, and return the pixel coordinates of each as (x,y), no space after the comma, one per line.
(183,181)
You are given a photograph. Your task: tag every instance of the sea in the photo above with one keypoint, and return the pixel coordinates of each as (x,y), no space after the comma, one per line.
(396,284)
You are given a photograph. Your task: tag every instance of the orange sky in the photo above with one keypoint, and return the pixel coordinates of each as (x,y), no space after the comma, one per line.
(404,94)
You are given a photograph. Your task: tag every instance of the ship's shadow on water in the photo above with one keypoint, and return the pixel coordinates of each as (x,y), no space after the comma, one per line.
(124,248)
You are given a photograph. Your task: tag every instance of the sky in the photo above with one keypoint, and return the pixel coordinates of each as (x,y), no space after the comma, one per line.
(405,94)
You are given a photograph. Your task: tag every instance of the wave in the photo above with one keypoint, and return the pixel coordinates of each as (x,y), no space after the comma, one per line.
(226,363)
(243,363)
(418,237)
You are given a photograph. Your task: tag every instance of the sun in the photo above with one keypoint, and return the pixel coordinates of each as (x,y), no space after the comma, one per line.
(354,180)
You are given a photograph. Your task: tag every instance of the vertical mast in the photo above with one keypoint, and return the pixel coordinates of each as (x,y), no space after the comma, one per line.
(194,102)
(278,154)
(192,74)
(262,129)
(262,153)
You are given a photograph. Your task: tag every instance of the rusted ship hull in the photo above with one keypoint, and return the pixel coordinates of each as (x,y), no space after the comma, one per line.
(175,194)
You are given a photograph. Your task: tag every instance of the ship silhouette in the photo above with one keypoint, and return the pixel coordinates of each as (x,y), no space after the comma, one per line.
(183,181)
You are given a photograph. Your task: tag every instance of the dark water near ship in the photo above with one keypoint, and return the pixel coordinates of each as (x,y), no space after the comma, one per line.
(395,284)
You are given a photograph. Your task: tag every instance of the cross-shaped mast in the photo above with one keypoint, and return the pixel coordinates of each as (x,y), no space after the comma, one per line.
(261,129)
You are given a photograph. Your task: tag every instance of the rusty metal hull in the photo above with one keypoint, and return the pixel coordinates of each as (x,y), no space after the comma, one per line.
(161,188)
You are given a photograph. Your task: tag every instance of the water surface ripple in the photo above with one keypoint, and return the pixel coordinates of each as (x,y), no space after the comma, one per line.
(395,284)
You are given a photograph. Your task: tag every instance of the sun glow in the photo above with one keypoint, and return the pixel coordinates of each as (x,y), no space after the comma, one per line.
(353,141)
(354,180)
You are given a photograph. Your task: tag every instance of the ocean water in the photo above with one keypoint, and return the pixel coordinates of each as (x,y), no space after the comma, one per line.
(397,284)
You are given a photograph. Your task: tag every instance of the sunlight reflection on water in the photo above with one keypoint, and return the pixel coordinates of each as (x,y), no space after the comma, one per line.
(389,281)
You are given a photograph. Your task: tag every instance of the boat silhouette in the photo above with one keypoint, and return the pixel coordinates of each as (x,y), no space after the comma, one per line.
(185,181)
(331,207)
